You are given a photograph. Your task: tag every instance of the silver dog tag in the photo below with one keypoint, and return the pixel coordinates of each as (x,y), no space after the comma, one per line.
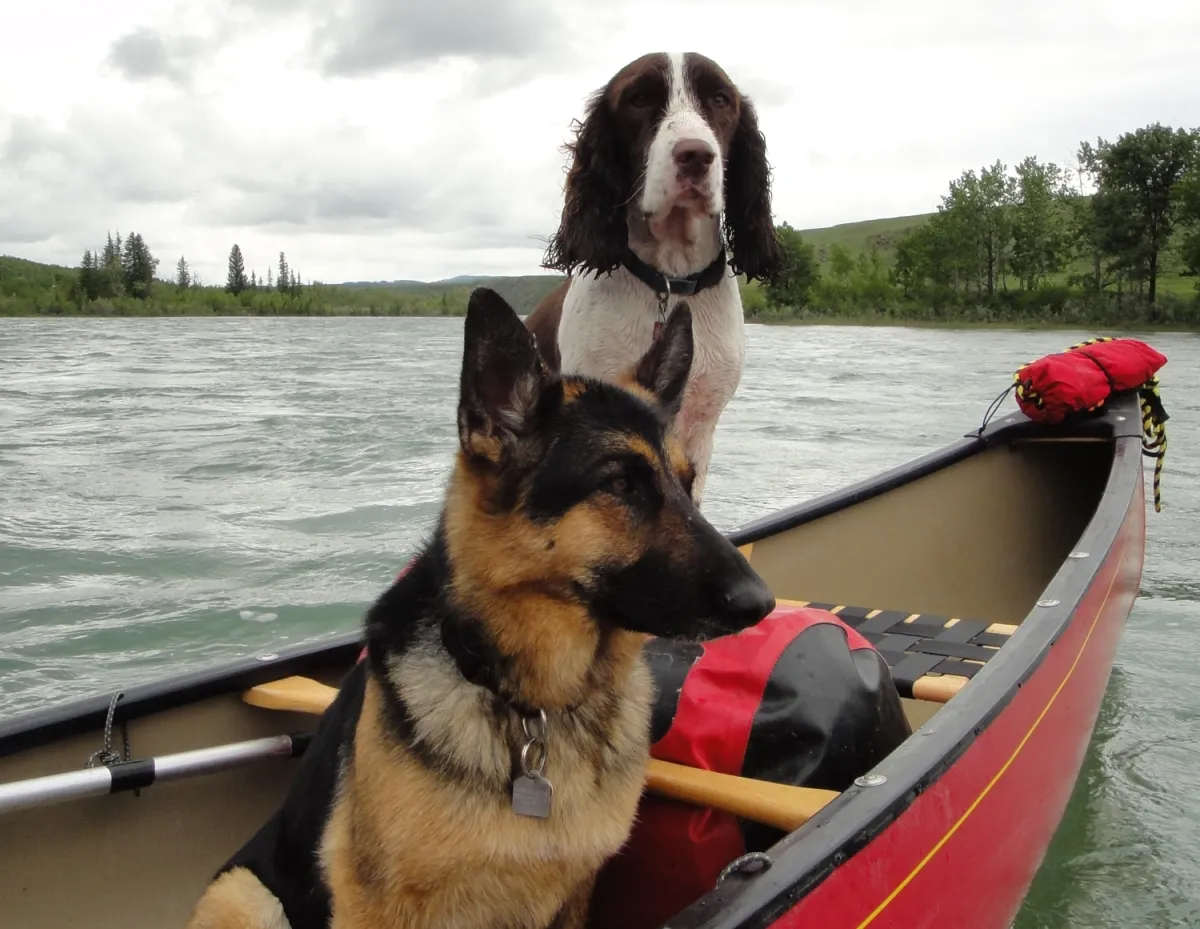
(531,796)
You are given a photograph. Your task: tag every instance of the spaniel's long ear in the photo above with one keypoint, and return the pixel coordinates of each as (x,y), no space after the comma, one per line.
(755,247)
(592,232)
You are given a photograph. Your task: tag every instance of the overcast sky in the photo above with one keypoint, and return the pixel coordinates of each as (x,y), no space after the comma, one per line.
(385,139)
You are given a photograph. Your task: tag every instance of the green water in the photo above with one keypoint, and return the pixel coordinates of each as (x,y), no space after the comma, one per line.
(180,491)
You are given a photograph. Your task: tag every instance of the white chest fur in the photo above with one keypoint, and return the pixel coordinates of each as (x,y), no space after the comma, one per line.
(608,323)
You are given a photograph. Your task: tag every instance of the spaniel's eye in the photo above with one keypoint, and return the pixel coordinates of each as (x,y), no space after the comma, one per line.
(639,100)
(719,100)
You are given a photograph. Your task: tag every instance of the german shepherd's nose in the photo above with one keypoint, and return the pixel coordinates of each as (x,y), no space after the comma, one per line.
(747,601)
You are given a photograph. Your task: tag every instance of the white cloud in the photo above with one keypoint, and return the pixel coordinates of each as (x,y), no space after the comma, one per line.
(374,143)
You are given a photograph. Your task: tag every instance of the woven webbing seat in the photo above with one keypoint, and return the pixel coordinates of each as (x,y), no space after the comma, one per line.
(931,657)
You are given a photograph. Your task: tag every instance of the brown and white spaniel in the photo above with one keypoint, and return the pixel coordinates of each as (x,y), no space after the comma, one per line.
(669,174)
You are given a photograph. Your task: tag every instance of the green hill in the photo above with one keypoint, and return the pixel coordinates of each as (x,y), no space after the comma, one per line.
(18,275)
(524,291)
(881,234)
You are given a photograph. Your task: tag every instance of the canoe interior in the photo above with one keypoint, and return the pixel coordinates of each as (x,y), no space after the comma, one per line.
(981,537)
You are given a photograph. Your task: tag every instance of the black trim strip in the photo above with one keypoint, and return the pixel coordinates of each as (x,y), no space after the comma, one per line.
(131,775)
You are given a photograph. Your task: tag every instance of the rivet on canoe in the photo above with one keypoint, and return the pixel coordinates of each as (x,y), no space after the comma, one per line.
(1047,603)
(1078,555)
(749,864)
(269,656)
(871,780)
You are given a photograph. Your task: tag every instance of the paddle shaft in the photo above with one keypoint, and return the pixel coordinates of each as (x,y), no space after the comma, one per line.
(142,772)
(780,805)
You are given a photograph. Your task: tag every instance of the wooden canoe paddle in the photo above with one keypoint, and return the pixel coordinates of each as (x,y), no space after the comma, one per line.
(780,805)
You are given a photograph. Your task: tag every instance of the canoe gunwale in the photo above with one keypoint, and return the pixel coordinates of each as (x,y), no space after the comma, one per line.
(847,825)
(41,727)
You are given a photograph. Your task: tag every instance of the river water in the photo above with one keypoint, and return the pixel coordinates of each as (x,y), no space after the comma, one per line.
(175,492)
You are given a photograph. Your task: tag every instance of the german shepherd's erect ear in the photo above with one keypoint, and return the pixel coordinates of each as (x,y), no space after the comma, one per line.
(505,389)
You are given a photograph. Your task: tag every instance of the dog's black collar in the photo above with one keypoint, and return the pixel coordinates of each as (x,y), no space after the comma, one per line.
(471,656)
(664,285)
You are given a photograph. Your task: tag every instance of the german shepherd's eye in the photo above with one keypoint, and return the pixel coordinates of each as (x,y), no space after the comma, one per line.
(619,484)
(627,479)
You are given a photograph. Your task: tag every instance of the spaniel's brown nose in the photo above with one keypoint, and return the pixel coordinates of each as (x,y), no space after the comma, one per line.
(693,157)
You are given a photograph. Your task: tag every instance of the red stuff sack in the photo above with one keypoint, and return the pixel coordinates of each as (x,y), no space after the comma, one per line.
(1083,377)
(800,698)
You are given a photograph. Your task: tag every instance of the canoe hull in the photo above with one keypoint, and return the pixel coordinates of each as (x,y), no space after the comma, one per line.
(954,858)
(953,835)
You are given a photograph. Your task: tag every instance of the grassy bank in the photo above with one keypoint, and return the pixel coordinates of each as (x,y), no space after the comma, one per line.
(32,290)
(1042,325)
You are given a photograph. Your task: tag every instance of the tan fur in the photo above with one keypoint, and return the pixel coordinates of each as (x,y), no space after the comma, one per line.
(519,575)
(447,854)
(236,900)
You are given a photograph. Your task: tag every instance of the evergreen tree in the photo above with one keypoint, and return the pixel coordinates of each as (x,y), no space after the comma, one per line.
(111,275)
(254,280)
(138,266)
(235,282)
(89,281)
(284,280)
(183,277)
(270,280)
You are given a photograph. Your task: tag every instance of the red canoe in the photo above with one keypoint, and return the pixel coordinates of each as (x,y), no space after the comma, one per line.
(993,576)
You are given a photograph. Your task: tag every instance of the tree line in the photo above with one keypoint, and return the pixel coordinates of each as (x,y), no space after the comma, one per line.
(129,270)
(1109,241)
(120,279)
(1091,243)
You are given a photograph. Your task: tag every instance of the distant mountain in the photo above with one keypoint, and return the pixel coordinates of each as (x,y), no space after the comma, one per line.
(391,285)
(523,292)
(464,279)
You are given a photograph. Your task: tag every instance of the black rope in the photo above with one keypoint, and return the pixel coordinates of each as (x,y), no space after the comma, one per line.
(994,408)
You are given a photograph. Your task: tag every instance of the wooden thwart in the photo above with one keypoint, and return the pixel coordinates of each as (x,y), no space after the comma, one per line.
(780,805)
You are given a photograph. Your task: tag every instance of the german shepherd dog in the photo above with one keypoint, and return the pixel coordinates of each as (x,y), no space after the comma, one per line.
(487,757)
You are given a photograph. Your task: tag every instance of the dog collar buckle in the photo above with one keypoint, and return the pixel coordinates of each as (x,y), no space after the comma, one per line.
(684,287)
(532,792)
